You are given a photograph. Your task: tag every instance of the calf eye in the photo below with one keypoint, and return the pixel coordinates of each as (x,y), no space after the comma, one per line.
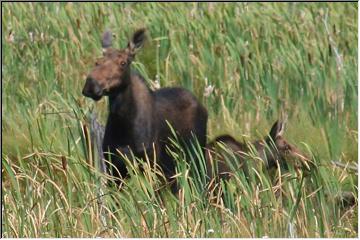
(123,63)
(287,149)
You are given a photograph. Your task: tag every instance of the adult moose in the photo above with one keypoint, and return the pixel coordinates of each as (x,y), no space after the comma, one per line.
(138,117)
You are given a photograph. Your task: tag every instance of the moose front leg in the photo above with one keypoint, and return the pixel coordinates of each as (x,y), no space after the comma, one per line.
(121,155)
(119,160)
(115,163)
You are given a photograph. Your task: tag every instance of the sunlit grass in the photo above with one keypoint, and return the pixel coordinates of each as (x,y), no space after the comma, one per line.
(263,60)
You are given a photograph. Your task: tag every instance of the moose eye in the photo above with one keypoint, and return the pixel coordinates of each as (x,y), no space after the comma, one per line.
(97,62)
(123,63)
(287,149)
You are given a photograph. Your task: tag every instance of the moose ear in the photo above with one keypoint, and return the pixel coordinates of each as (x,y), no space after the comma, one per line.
(106,40)
(137,40)
(277,129)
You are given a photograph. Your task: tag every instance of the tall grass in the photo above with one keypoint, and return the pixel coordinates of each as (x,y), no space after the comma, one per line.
(263,60)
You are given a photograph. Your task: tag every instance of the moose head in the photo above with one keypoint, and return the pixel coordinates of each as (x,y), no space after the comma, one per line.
(277,149)
(111,72)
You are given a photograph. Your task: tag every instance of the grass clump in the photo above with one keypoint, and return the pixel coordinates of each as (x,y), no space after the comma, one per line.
(256,61)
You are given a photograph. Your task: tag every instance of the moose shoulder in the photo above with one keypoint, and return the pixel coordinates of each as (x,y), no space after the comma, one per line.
(138,117)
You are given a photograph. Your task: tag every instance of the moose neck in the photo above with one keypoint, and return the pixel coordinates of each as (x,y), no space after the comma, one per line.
(131,101)
(266,152)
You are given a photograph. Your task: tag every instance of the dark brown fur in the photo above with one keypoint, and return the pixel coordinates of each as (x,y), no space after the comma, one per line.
(274,148)
(137,115)
(225,150)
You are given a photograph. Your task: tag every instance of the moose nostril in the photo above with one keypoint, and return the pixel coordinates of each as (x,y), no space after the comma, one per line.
(92,89)
(92,83)
(89,80)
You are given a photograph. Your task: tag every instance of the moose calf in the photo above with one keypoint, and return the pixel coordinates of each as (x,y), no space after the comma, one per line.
(274,148)
(138,117)
(224,155)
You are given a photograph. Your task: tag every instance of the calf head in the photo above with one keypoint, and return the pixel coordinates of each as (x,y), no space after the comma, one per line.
(111,72)
(275,149)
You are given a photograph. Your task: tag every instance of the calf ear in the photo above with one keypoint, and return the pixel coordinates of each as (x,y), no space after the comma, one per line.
(277,129)
(137,40)
(106,40)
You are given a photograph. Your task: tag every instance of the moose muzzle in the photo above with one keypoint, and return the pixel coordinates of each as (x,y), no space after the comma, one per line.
(92,89)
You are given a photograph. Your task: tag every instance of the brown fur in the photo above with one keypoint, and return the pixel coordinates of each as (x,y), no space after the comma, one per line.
(274,150)
(138,117)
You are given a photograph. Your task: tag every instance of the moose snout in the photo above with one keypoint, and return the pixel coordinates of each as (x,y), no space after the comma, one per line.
(92,89)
